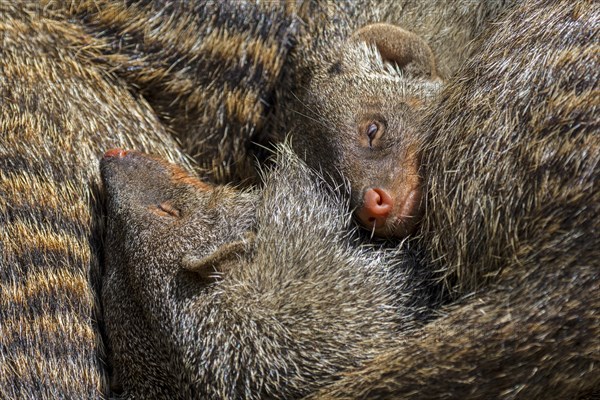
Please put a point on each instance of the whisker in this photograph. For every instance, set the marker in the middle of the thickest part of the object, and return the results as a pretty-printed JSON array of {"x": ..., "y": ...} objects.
[
  {"x": 304, "y": 104},
  {"x": 373, "y": 230},
  {"x": 312, "y": 119}
]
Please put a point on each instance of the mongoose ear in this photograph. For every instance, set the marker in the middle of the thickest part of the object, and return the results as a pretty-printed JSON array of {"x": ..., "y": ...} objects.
[
  {"x": 397, "y": 45},
  {"x": 212, "y": 267}
]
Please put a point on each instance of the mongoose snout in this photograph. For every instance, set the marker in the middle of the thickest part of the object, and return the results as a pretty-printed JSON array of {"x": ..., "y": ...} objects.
[{"x": 381, "y": 209}]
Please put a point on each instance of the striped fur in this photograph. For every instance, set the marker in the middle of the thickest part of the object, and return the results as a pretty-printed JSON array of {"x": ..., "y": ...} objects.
[
  {"x": 82, "y": 76},
  {"x": 208, "y": 68},
  {"x": 58, "y": 111}
]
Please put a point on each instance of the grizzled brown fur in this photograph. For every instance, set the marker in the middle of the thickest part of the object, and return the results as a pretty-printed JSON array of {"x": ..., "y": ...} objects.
[
  {"x": 450, "y": 27},
  {"x": 58, "y": 110},
  {"x": 294, "y": 303},
  {"x": 512, "y": 166},
  {"x": 207, "y": 68},
  {"x": 69, "y": 86}
]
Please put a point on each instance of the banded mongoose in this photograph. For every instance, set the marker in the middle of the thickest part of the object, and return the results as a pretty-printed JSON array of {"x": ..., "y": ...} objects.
[
  {"x": 344, "y": 93},
  {"x": 49, "y": 49},
  {"x": 214, "y": 293},
  {"x": 357, "y": 118},
  {"x": 512, "y": 203}
]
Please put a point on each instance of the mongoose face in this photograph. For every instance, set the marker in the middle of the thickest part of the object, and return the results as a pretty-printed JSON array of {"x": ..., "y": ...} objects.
[
  {"x": 159, "y": 202},
  {"x": 297, "y": 297},
  {"x": 160, "y": 220},
  {"x": 361, "y": 123}
]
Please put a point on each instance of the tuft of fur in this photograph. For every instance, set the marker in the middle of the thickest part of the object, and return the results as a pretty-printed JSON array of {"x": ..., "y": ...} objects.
[
  {"x": 295, "y": 305},
  {"x": 512, "y": 165}
]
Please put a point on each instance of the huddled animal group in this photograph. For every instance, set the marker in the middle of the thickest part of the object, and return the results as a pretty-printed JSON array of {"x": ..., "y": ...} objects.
[{"x": 301, "y": 199}]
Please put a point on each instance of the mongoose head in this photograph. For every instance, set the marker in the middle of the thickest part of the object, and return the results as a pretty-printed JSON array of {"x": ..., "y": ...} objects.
[
  {"x": 361, "y": 111},
  {"x": 159, "y": 212}
]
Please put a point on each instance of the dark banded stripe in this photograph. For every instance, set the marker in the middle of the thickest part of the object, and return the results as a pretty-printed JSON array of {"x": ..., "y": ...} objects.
[
  {"x": 56, "y": 220},
  {"x": 267, "y": 20},
  {"x": 23, "y": 163},
  {"x": 29, "y": 248},
  {"x": 62, "y": 334},
  {"x": 48, "y": 354},
  {"x": 39, "y": 292},
  {"x": 22, "y": 192},
  {"x": 245, "y": 44}
]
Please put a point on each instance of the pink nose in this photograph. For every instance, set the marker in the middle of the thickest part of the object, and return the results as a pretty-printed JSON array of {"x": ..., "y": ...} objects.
[
  {"x": 377, "y": 205},
  {"x": 115, "y": 153}
]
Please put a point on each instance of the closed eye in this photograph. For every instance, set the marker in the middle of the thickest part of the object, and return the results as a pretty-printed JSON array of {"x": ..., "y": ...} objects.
[{"x": 165, "y": 209}]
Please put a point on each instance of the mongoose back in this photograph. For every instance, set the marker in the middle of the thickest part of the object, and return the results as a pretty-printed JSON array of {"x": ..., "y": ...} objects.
[
  {"x": 208, "y": 69},
  {"x": 511, "y": 221},
  {"x": 57, "y": 111},
  {"x": 214, "y": 293}
]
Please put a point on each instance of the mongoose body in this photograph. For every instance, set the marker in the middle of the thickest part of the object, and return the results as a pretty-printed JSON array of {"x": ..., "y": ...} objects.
[
  {"x": 58, "y": 111},
  {"x": 78, "y": 77},
  {"x": 353, "y": 110},
  {"x": 214, "y": 293},
  {"x": 511, "y": 170}
]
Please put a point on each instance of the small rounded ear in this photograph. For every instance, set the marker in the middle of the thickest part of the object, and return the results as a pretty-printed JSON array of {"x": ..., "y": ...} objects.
[
  {"x": 405, "y": 48},
  {"x": 212, "y": 267}
]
